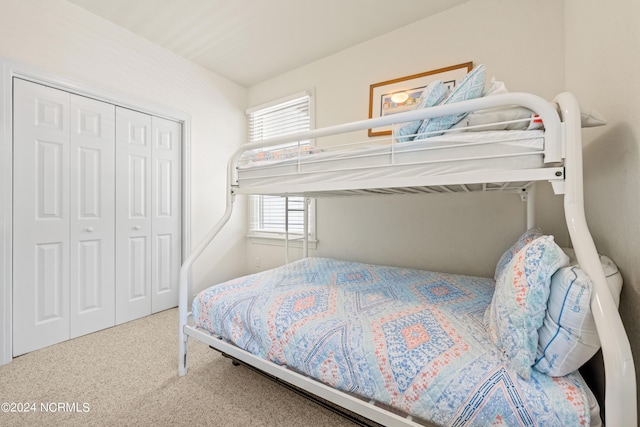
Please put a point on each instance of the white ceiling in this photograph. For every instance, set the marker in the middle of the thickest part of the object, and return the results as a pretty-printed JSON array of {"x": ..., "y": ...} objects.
[{"x": 249, "y": 41}]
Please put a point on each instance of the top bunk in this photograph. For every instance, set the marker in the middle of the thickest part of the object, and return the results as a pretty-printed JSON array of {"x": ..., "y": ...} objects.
[{"x": 469, "y": 142}]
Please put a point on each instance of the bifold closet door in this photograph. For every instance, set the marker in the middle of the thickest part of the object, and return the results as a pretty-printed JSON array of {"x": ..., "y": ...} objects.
[
  {"x": 40, "y": 217},
  {"x": 62, "y": 216},
  {"x": 133, "y": 215},
  {"x": 92, "y": 230},
  {"x": 148, "y": 214},
  {"x": 96, "y": 215},
  {"x": 166, "y": 212}
]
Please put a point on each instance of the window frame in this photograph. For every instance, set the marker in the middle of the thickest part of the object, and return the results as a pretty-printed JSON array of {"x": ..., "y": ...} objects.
[{"x": 278, "y": 236}]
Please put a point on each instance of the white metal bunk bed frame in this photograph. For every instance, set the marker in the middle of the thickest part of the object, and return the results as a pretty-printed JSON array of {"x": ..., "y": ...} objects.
[{"x": 567, "y": 179}]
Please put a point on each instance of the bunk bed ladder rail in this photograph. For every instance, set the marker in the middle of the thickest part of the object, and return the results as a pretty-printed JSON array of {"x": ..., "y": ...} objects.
[
  {"x": 305, "y": 227},
  {"x": 528, "y": 195},
  {"x": 620, "y": 393}
]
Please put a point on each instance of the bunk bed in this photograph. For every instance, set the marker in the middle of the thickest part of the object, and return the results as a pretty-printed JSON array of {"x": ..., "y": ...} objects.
[{"x": 477, "y": 154}]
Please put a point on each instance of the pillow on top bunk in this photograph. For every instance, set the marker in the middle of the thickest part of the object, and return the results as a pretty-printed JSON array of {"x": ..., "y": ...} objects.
[
  {"x": 590, "y": 119},
  {"x": 472, "y": 86},
  {"x": 568, "y": 337},
  {"x": 516, "y": 118},
  {"x": 430, "y": 96},
  {"x": 522, "y": 241},
  {"x": 499, "y": 118},
  {"x": 519, "y": 302},
  {"x": 495, "y": 88},
  {"x": 510, "y": 118}
]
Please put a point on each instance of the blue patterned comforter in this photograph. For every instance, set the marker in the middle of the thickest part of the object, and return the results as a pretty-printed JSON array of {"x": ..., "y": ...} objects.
[{"x": 411, "y": 339}]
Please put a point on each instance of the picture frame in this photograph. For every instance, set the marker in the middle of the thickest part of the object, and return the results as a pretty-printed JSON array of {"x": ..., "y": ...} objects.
[{"x": 407, "y": 90}]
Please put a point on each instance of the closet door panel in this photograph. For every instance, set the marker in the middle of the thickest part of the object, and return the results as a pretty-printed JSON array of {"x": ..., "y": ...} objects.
[
  {"x": 92, "y": 187},
  {"x": 133, "y": 216},
  {"x": 166, "y": 212},
  {"x": 40, "y": 217}
]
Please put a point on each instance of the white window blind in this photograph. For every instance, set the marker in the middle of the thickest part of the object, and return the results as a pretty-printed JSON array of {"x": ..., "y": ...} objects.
[
  {"x": 268, "y": 214},
  {"x": 282, "y": 118}
]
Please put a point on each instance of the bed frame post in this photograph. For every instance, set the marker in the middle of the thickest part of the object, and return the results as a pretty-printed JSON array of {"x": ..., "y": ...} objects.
[
  {"x": 529, "y": 195},
  {"x": 620, "y": 393},
  {"x": 286, "y": 229},
  {"x": 305, "y": 241}
]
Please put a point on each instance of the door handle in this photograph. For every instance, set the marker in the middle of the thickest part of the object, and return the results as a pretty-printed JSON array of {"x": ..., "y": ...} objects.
[
  {"x": 89, "y": 229},
  {"x": 137, "y": 227}
]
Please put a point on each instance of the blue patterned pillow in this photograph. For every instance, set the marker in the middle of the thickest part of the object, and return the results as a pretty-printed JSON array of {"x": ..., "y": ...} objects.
[
  {"x": 519, "y": 302},
  {"x": 505, "y": 259},
  {"x": 430, "y": 96},
  {"x": 470, "y": 87}
]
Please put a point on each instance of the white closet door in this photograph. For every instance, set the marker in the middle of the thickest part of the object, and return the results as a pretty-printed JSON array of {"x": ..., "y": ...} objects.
[
  {"x": 40, "y": 217},
  {"x": 92, "y": 231},
  {"x": 166, "y": 213},
  {"x": 133, "y": 215}
]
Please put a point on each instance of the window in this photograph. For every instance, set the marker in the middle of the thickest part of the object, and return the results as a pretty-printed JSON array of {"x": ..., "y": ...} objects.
[{"x": 268, "y": 215}]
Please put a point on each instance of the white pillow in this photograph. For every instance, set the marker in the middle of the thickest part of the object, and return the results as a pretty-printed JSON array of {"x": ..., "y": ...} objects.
[
  {"x": 591, "y": 119},
  {"x": 495, "y": 88},
  {"x": 521, "y": 118},
  {"x": 568, "y": 337},
  {"x": 588, "y": 118},
  {"x": 611, "y": 272}
]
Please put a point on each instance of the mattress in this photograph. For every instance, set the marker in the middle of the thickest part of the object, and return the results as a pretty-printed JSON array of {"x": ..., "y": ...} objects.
[
  {"x": 411, "y": 339},
  {"x": 452, "y": 153}
]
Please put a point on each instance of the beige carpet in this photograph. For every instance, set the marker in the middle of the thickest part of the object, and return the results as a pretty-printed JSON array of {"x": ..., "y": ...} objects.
[{"x": 127, "y": 376}]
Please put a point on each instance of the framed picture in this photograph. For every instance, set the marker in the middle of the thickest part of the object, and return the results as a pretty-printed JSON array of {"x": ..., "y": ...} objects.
[{"x": 399, "y": 95}]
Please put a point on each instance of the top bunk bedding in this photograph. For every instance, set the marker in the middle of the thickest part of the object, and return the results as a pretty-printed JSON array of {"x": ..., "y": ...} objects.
[
  {"x": 457, "y": 153},
  {"x": 464, "y": 136}
]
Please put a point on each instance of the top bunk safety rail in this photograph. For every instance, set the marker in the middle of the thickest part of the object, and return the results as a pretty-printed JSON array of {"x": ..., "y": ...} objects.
[{"x": 305, "y": 172}]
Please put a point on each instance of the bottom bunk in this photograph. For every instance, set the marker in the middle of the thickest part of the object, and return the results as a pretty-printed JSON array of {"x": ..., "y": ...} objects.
[{"x": 439, "y": 348}]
